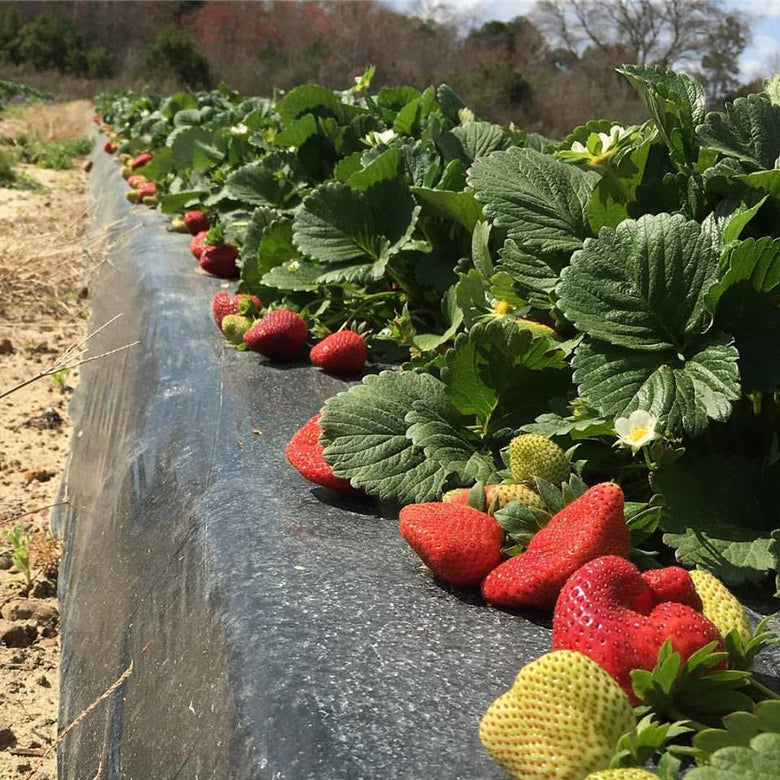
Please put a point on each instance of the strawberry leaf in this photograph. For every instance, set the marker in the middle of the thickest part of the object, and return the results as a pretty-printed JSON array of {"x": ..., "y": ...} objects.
[
  {"x": 718, "y": 516},
  {"x": 758, "y": 761},
  {"x": 542, "y": 203},
  {"x": 749, "y": 130},
  {"x": 502, "y": 375},
  {"x": 365, "y": 437}
]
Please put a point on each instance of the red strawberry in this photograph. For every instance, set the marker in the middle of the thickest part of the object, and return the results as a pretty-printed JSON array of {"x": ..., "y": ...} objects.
[
  {"x": 110, "y": 147},
  {"x": 219, "y": 260},
  {"x": 146, "y": 189},
  {"x": 673, "y": 584},
  {"x": 224, "y": 303},
  {"x": 280, "y": 335},
  {"x": 459, "y": 544},
  {"x": 608, "y": 611},
  {"x": 305, "y": 453},
  {"x": 140, "y": 160},
  {"x": 343, "y": 352},
  {"x": 135, "y": 180},
  {"x": 196, "y": 222},
  {"x": 591, "y": 526},
  {"x": 96, "y": 119},
  {"x": 197, "y": 243}
]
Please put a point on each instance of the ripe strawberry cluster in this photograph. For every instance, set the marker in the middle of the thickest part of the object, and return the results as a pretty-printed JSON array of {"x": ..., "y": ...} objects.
[
  {"x": 608, "y": 617},
  {"x": 280, "y": 335}
]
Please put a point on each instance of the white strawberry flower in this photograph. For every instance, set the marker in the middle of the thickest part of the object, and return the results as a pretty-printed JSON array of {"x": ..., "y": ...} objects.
[
  {"x": 637, "y": 430},
  {"x": 375, "y": 138},
  {"x": 239, "y": 129}
]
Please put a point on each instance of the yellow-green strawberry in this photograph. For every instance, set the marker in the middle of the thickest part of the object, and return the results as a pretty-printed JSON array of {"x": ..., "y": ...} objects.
[
  {"x": 511, "y": 492},
  {"x": 720, "y": 605},
  {"x": 506, "y": 492},
  {"x": 632, "y": 773},
  {"x": 234, "y": 326},
  {"x": 560, "y": 720},
  {"x": 533, "y": 455}
]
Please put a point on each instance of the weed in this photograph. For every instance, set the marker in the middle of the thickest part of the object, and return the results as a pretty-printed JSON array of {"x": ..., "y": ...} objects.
[
  {"x": 20, "y": 554},
  {"x": 60, "y": 378}
]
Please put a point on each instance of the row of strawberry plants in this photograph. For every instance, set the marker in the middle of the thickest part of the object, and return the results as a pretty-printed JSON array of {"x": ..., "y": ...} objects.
[{"x": 619, "y": 287}]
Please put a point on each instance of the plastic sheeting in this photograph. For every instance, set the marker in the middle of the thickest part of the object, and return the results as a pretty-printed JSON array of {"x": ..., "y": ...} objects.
[{"x": 274, "y": 631}]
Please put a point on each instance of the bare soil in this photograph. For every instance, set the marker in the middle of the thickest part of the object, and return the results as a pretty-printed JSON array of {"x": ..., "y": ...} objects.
[{"x": 43, "y": 308}]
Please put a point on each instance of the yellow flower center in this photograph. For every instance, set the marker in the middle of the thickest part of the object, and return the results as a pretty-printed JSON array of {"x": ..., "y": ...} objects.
[
  {"x": 638, "y": 433},
  {"x": 502, "y": 307}
]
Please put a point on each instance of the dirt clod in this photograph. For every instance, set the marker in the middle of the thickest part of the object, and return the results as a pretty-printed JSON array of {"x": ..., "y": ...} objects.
[
  {"x": 7, "y": 737},
  {"x": 6, "y": 347},
  {"x": 17, "y": 634},
  {"x": 41, "y": 613}
]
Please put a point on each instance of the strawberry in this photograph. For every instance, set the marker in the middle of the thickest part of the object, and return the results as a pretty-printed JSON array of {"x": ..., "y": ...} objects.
[
  {"x": 280, "y": 335},
  {"x": 343, "y": 352},
  {"x": 608, "y": 611},
  {"x": 146, "y": 189},
  {"x": 591, "y": 526},
  {"x": 140, "y": 160},
  {"x": 197, "y": 243},
  {"x": 304, "y": 452},
  {"x": 132, "y": 196},
  {"x": 110, "y": 147},
  {"x": 177, "y": 226},
  {"x": 219, "y": 260},
  {"x": 720, "y": 606},
  {"x": 196, "y": 222},
  {"x": 136, "y": 180},
  {"x": 533, "y": 455},
  {"x": 505, "y": 492},
  {"x": 234, "y": 326},
  {"x": 673, "y": 584},
  {"x": 125, "y": 172},
  {"x": 224, "y": 303},
  {"x": 457, "y": 543},
  {"x": 624, "y": 773},
  {"x": 561, "y": 719}
]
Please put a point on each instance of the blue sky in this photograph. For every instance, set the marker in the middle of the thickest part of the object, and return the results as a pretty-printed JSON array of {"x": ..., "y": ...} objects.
[{"x": 764, "y": 16}]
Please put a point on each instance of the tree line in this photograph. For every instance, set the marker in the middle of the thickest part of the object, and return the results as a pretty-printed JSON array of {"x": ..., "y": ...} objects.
[{"x": 547, "y": 72}]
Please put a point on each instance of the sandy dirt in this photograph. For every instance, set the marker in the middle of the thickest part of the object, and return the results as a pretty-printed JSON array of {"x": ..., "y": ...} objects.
[{"x": 43, "y": 307}]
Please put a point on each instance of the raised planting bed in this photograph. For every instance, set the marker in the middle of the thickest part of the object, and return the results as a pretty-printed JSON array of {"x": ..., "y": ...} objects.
[{"x": 273, "y": 631}]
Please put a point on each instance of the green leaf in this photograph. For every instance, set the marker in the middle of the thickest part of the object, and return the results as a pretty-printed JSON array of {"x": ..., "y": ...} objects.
[
  {"x": 382, "y": 168},
  {"x": 540, "y": 201},
  {"x": 293, "y": 276},
  {"x": 195, "y": 147},
  {"x": 261, "y": 184},
  {"x": 675, "y": 102},
  {"x": 749, "y": 130},
  {"x": 760, "y": 761},
  {"x": 440, "y": 431},
  {"x": 478, "y": 139},
  {"x": 681, "y": 393},
  {"x": 364, "y": 433},
  {"x": 641, "y": 285},
  {"x": 460, "y": 207},
  {"x": 274, "y": 248},
  {"x": 308, "y": 98},
  {"x": 765, "y": 181},
  {"x": 480, "y": 248},
  {"x": 714, "y": 518},
  {"x": 160, "y": 165},
  {"x": 173, "y": 203},
  {"x": 335, "y": 223},
  {"x": 520, "y": 522},
  {"x": 297, "y": 132},
  {"x": 551, "y": 424},
  {"x": 757, "y": 262},
  {"x": 502, "y": 375}
]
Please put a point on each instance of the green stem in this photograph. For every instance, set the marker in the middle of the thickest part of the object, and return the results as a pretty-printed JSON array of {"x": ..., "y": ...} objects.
[
  {"x": 696, "y": 724},
  {"x": 768, "y": 692},
  {"x": 611, "y": 174}
]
